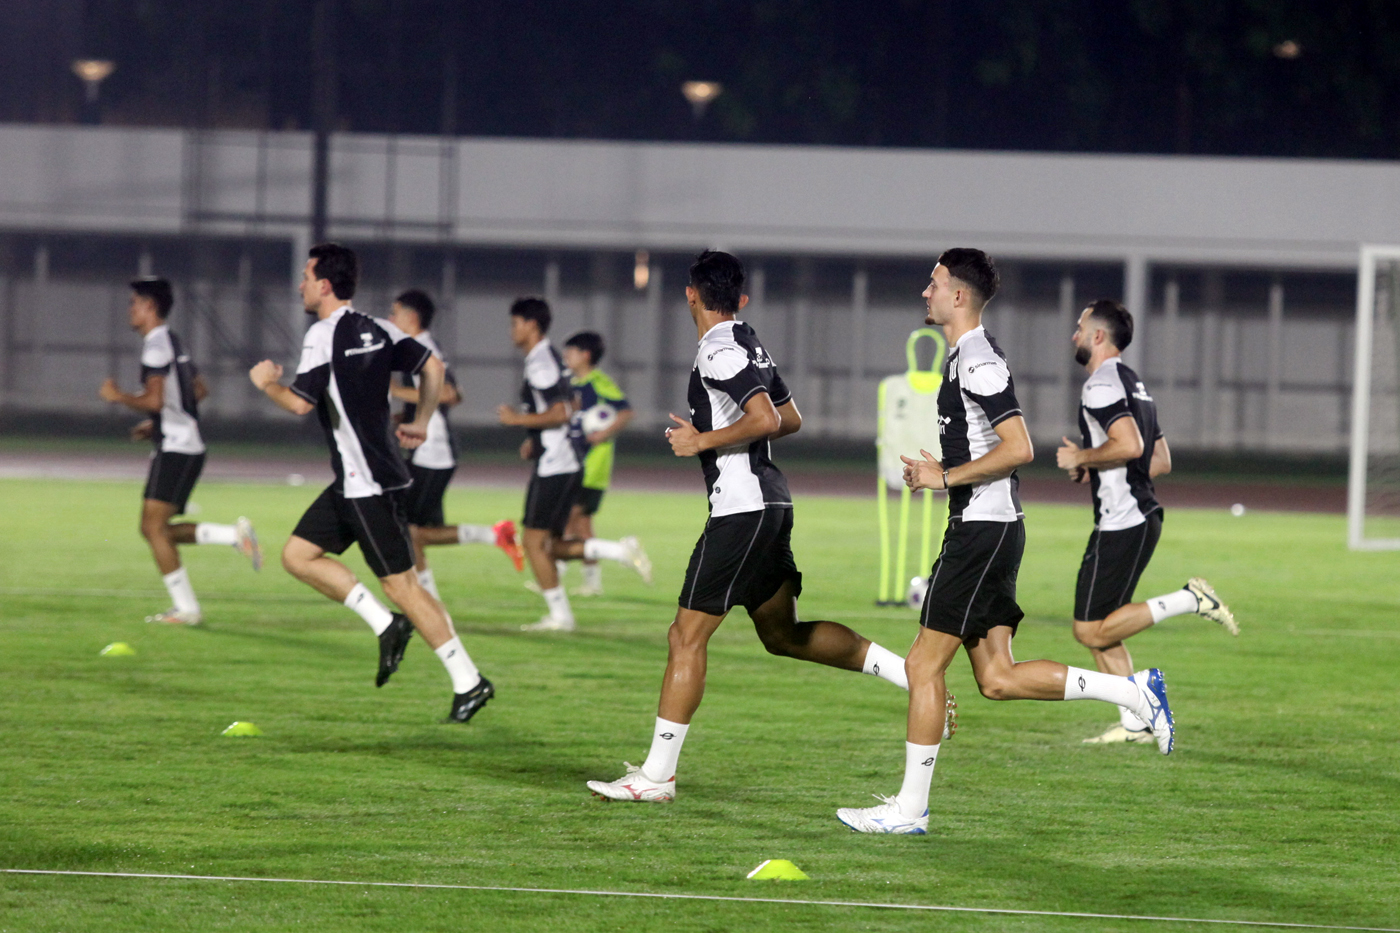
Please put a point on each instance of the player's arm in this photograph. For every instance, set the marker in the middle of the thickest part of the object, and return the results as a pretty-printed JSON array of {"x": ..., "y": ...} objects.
[
  {"x": 201, "y": 389},
  {"x": 265, "y": 376},
  {"x": 450, "y": 395},
  {"x": 1161, "y": 459},
  {"x": 415, "y": 432},
  {"x": 760, "y": 419},
  {"x": 1014, "y": 450},
  {"x": 552, "y": 417},
  {"x": 1124, "y": 443},
  {"x": 149, "y": 401},
  {"x": 790, "y": 420}
]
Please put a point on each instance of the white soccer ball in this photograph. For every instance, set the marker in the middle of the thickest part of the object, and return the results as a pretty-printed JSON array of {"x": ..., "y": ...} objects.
[
  {"x": 917, "y": 588},
  {"x": 598, "y": 418}
]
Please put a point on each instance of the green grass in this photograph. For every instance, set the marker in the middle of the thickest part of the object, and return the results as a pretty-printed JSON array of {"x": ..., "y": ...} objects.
[{"x": 1280, "y": 802}]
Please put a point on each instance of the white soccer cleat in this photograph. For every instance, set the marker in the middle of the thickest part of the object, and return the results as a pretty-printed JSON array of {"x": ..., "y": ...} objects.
[
  {"x": 247, "y": 543},
  {"x": 637, "y": 558},
  {"x": 634, "y": 785},
  {"x": 1116, "y": 734},
  {"x": 176, "y": 617},
  {"x": 588, "y": 590},
  {"x": 885, "y": 818},
  {"x": 549, "y": 624},
  {"x": 1153, "y": 708},
  {"x": 1210, "y": 606}
]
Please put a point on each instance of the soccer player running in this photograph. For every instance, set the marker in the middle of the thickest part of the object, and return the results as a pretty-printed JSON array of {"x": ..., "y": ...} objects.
[
  {"x": 593, "y": 389},
  {"x": 971, "y": 599},
  {"x": 171, "y": 392},
  {"x": 547, "y": 407},
  {"x": 739, "y": 404},
  {"x": 347, "y": 360},
  {"x": 432, "y": 463},
  {"x": 1116, "y": 418}
]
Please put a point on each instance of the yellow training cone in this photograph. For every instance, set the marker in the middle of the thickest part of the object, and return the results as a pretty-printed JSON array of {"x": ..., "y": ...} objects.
[
  {"x": 778, "y": 869},
  {"x": 117, "y": 649},
  {"x": 242, "y": 728}
]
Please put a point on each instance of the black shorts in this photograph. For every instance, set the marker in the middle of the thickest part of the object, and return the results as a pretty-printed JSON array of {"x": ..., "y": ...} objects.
[
  {"x": 740, "y": 560},
  {"x": 548, "y": 500},
  {"x": 172, "y": 477},
  {"x": 376, "y": 523},
  {"x": 589, "y": 499},
  {"x": 972, "y": 587},
  {"x": 422, "y": 502},
  {"x": 1113, "y": 562}
]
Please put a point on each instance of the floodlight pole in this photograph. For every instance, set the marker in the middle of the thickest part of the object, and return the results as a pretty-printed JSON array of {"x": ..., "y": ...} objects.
[{"x": 323, "y": 114}]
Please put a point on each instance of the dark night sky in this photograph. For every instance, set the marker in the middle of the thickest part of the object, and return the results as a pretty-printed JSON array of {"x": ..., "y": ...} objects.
[{"x": 1062, "y": 75}]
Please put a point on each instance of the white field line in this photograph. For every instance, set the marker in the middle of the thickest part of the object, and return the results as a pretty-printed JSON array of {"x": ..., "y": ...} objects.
[{"x": 698, "y": 897}]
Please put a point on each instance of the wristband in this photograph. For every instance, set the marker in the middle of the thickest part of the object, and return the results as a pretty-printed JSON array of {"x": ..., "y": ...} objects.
[{"x": 945, "y": 480}]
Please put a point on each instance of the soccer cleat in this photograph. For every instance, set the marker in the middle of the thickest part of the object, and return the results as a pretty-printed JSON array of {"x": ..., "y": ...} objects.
[
  {"x": 1152, "y": 687},
  {"x": 1210, "y": 606},
  {"x": 247, "y": 543},
  {"x": 634, "y": 785},
  {"x": 588, "y": 590},
  {"x": 505, "y": 540},
  {"x": 950, "y": 716},
  {"x": 176, "y": 617},
  {"x": 549, "y": 624},
  {"x": 392, "y": 642},
  {"x": 637, "y": 558},
  {"x": 466, "y": 705},
  {"x": 1117, "y": 734},
  {"x": 885, "y": 818}
]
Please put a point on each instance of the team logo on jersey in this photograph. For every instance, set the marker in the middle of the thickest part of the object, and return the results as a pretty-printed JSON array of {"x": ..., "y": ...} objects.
[
  {"x": 368, "y": 347},
  {"x": 943, "y": 422},
  {"x": 761, "y": 358},
  {"x": 1140, "y": 393}
]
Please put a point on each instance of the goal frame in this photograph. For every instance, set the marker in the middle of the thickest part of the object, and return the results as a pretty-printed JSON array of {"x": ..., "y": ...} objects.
[{"x": 1371, "y": 256}]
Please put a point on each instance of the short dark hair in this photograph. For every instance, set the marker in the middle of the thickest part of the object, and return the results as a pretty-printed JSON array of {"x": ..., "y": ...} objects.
[
  {"x": 973, "y": 267},
  {"x": 338, "y": 265},
  {"x": 533, "y": 308},
  {"x": 1115, "y": 319},
  {"x": 719, "y": 278},
  {"x": 590, "y": 342},
  {"x": 158, "y": 290},
  {"x": 417, "y": 301}
]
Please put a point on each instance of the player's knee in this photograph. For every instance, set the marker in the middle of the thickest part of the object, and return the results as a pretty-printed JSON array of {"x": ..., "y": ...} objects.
[
  {"x": 995, "y": 686},
  {"x": 1089, "y": 635},
  {"x": 778, "y": 640}
]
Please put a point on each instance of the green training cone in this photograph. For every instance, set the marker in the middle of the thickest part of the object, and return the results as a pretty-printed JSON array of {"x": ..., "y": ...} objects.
[
  {"x": 778, "y": 869},
  {"x": 242, "y": 728},
  {"x": 117, "y": 649}
]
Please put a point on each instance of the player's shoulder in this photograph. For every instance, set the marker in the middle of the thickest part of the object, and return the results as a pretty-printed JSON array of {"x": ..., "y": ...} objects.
[
  {"x": 1105, "y": 386},
  {"x": 982, "y": 367},
  {"x": 426, "y": 339},
  {"x": 157, "y": 349},
  {"x": 544, "y": 367},
  {"x": 605, "y": 385},
  {"x": 723, "y": 352}
]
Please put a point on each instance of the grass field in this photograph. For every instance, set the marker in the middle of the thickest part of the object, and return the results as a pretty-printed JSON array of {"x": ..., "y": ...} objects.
[{"x": 1281, "y": 802}]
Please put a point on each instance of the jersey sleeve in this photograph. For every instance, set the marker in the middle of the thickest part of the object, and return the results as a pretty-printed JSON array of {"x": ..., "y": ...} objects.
[
  {"x": 408, "y": 355},
  {"x": 729, "y": 369},
  {"x": 156, "y": 358},
  {"x": 779, "y": 391},
  {"x": 314, "y": 368},
  {"x": 552, "y": 381},
  {"x": 1105, "y": 402},
  {"x": 988, "y": 383}
]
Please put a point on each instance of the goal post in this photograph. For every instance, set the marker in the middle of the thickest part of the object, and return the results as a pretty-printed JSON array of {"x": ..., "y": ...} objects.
[{"x": 1373, "y": 484}]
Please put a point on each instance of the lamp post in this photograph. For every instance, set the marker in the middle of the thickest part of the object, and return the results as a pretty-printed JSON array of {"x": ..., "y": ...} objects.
[
  {"x": 92, "y": 72},
  {"x": 701, "y": 94}
]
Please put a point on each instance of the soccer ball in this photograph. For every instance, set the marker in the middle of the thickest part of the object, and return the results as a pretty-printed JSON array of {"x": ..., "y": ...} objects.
[
  {"x": 917, "y": 588},
  {"x": 598, "y": 418}
]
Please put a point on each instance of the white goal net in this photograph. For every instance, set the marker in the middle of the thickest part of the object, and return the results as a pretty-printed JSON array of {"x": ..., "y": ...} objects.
[{"x": 1373, "y": 491}]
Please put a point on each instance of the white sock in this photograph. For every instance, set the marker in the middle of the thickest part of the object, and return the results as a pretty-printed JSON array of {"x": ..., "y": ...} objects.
[
  {"x": 598, "y": 549},
  {"x": 459, "y": 665},
  {"x": 886, "y": 665},
  {"x": 475, "y": 534},
  {"x": 1093, "y": 685},
  {"x": 209, "y": 533},
  {"x": 364, "y": 604},
  {"x": 558, "y": 603},
  {"x": 177, "y": 583},
  {"x": 593, "y": 576},
  {"x": 428, "y": 582},
  {"x": 1176, "y": 603},
  {"x": 1130, "y": 720},
  {"x": 561, "y": 567},
  {"x": 918, "y": 777},
  {"x": 665, "y": 751}
]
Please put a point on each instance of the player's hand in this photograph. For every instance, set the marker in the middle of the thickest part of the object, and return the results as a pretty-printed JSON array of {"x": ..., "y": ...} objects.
[
  {"x": 265, "y": 374},
  {"x": 508, "y": 415},
  {"x": 596, "y": 438},
  {"x": 1067, "y": 456},
  {"x": 109, "y": 392},
  {"x": 411, "y": 434},
  {"x": 143, "y": 430},
  {"x": 1079, "y": 474},
  {"x": 684, "y": 439},
  {"x": 527, "y": 449},
  {"x": 923, "y": 474}
]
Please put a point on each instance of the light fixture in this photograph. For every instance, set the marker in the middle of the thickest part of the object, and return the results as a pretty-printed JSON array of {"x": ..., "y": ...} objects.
[
  {"x": 641, "y": 270},
  {"x": 93, "y": 71},
  {"x": 701, "y": 94},
  {"x": 1288, "y": 50}
]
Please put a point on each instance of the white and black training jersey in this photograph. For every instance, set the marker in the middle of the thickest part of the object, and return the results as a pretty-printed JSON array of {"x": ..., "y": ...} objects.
[
  {"x": 731, "y": 367},
  {"x": 439, "y": 451},
  {"x": 547, "y": 382},
  {"x": 977, "y": 395},
  {"x": 347, "y": 361},
  {"x": 1123, "y": 497},
  {"x": 176, "y": 425}
]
